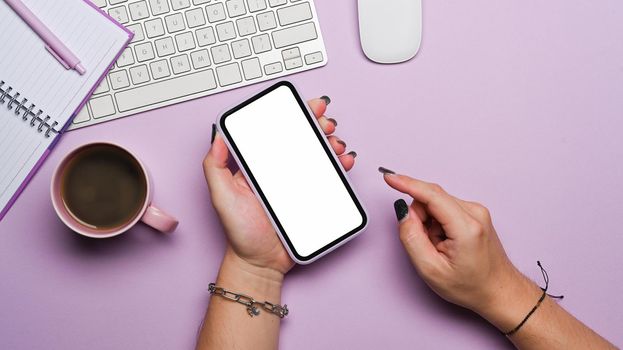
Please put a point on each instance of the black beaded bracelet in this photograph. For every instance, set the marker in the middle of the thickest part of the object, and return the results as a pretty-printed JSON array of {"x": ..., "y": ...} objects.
[{"x": 546, "y": 278}]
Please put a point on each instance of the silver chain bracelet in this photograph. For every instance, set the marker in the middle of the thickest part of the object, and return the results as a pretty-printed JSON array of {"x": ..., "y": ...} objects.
[{"x": 253, "y": 306}]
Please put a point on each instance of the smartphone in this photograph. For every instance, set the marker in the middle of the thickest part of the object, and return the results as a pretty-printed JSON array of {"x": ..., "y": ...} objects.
[{"x": 290, "y": 165}]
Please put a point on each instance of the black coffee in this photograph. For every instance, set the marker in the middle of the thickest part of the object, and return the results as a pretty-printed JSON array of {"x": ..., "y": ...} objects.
[{"x": 103, "y": 187}]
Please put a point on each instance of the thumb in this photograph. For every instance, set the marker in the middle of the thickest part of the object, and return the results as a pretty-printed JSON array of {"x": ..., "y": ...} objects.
[
  {"x": 217, "y": 174},
  {"x": 414, "y": 238}
]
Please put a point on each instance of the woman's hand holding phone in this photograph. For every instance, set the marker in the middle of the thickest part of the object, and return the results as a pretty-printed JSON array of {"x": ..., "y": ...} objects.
[
  {"x": 251, "y": 237},
  {"x": 255, "y": 261}
]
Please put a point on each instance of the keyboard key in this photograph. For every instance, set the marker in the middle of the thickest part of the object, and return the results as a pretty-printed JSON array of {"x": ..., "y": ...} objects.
[
  {"x": 256, "y": 5},
  {"x": 241, "y": 48},
  {"x": 220, "y": 53},
  {"x": 139, "y": 74},
  {"x": 246, "y": 26},
  {"x": 185, "y": 41},
  {"x": 159, "y": 69},
  {"x": 201, "y": 59},
  {"x": 102, "y": 87},
  {"x": 144, "y": 52},
  {"x": 165, "y": 46},
  {"x": 119, "y": 79},
  {"x": 294, "y": 35},
  {"x": 216, "y": 12},
  {"x": 313, "y": 58},
  {"x": 200, "y": 2},
  {"x": 126, "y": 58},
  {"x": 261, "y": 43},
  {"x": 102, "y": 106},
  {"x": 120, "y": 14},
  {"x": 235, "y": 8},
  {"x": 180, "y": 64},
  {"x": 137, "y": 29},
  {"x": 175, "y": 23},
  {"x": 180, "y": 4},
  {"x": 99, "y": 3},
  {"x": 294, "y": 63},
  {"x": 294, "y": 14},
  {"x": 291, "y": 53},
  {"x": 154, "y": 28},
  {"x": 166, "y": 90},
  {"x": 273, "y": 68},
  {"x": 266, "y": 21},
  {"x": 83, "y": 115},
  {"x": 274, "y": 3},
  {"x": 115, "y": 2},
  {"x": 138, "y": 10},
  {"x": 225, "y": 31},
  {"x": 251, "y": 68},
  {"x": 159, "y": 7},
  {"x": 205, "y": 36},
  {"x": 195, "y": 18},
  {"x": 228, "y": 74}
]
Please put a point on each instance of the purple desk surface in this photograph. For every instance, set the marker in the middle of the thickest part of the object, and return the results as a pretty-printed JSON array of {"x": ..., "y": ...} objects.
[{"x": 518, "y": 105}]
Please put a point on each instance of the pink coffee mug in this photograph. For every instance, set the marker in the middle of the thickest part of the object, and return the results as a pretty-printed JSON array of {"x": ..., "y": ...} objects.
[{"x": 148, "y": 213}]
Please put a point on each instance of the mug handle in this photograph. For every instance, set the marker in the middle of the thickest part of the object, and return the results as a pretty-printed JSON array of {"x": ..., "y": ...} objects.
[{"x": 159, "y": 220}]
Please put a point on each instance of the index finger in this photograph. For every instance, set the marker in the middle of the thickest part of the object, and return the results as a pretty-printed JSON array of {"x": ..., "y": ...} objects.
[
  {"x": 436, "y": 201},
  {"x": 318, "y": 106}
]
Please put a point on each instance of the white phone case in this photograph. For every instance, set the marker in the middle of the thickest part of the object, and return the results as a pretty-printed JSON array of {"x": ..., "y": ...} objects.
[{"x": 252, "y": 185}]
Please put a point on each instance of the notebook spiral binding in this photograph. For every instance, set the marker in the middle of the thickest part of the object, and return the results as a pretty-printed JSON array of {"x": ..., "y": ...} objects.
[{"x": 21, "y": 108}]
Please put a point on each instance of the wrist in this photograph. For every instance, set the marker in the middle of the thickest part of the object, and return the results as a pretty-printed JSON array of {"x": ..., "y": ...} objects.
[
  {"x": 510, "y": 301},
  {"x": 238, "y": 275}
]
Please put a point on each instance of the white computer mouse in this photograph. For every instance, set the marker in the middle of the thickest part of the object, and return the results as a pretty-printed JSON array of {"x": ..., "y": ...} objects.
[{"x": 390, "y": 30}]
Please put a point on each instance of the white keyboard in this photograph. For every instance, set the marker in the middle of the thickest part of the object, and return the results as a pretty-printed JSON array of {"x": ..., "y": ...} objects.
[{"x": 185, "y": 49}]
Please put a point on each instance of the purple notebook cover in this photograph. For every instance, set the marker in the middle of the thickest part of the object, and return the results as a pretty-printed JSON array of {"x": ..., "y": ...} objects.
[{"x": 41, "y": 160}]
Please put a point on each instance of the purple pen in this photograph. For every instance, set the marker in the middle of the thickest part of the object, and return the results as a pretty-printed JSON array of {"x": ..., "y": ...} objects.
[{"x": 53, "y": 43}]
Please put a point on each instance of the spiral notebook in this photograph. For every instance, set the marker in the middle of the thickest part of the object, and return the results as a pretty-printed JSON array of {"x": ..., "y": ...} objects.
[{"x": 38, "y": 97}]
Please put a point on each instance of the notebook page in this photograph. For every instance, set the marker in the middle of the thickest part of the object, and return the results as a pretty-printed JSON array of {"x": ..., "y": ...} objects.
[{"x": 27, "y": 67}]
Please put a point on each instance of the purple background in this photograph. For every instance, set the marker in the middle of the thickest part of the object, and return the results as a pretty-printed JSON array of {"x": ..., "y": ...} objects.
[{"x": 517, "y": 105}]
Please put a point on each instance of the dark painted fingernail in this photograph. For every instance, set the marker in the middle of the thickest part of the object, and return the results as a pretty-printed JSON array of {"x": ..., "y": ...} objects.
[
  {"x": 401, "y": 208},
  {"x": 341, "y": 143},
  {"x": 332, "y": 121},
  {"x": 353, "y": 153},
  {"x": 386, "y": 171},
  {"x": 326, "y": 99},
  {"x": 213, "y": 132}
]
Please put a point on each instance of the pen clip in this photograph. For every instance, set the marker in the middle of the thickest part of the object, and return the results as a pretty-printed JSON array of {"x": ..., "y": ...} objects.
[{"x": 58, "y": 58}]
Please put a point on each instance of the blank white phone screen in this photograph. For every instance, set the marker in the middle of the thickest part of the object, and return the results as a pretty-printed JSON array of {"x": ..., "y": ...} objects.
[{"x": 293, "y": 171}]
